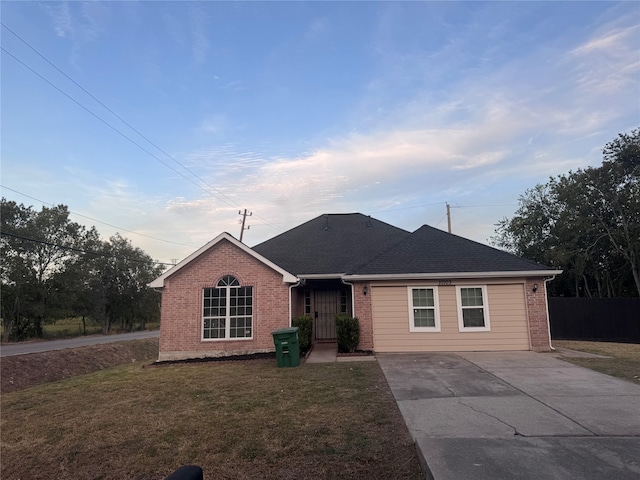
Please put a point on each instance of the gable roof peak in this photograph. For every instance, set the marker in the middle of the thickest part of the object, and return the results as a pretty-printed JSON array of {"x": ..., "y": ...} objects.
[
  {"x": 330, "y": 243},
  {"x": 224, "y": 236}
]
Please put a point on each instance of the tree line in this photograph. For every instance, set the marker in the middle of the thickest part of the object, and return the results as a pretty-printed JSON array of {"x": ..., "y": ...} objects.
[
  {"x": 54, "y": 268},
  {"x": 585, "y": 222}
]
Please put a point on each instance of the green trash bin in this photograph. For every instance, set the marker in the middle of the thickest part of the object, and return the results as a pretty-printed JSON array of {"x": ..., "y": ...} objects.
[{"x": 287, "y": 347}]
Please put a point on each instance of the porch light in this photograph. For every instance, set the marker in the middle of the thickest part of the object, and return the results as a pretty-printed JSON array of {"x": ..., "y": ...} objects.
[
  {"x": 535, "y": 287},
  {"x": 365, "y": 289}
]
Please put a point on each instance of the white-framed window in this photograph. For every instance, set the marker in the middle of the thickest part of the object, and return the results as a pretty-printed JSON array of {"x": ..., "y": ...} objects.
[
  {"x": 473, "y": 308},
  {"x": 307, "y": 302},
  {"x": 344, "y": 303},
  {"x": 227, "y": 311},
  {"x": 424, "y": 312}
]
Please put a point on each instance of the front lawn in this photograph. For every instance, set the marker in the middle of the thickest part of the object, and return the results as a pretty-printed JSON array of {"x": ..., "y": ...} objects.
[
  {"x": 624, "y": 361},
  {"x": 237, "y": 420}
]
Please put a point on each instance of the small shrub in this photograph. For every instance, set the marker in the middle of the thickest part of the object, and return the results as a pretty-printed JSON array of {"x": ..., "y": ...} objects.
[
  {"x": 305, "y": 325},
  {"x": 348, "y": 333}
]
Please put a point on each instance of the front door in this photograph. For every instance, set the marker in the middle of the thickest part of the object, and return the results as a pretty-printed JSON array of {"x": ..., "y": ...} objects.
[{"x": 327, "y": 303}]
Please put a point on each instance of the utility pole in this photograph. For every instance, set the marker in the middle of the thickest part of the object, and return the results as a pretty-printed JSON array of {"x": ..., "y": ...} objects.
[
  {"x": 244, "y": 218},
  {"x": 449, "y": 215}
]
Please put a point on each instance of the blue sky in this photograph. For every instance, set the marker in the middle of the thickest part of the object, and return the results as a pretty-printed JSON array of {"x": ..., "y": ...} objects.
[{"x": 294, "y": 109}]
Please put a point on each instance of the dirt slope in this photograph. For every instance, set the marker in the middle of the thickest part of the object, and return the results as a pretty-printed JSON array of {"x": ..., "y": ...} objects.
[{"x": 23, "y": 371}]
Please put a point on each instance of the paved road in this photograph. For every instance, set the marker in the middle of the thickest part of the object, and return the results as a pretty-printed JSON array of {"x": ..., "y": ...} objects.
[
  {"x": 46, "y": 346},
  {"x": 506, "y": 415}
]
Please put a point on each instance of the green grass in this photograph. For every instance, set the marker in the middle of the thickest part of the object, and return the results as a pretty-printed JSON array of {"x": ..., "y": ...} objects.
[
  {"x": 623, "y": 361},
  {"x": 237, "y": 420},
  {"x": 72, "y": 327}
]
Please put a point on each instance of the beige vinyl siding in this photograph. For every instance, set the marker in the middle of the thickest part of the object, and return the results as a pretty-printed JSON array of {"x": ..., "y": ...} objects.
[{"x": 507, "y": 311}]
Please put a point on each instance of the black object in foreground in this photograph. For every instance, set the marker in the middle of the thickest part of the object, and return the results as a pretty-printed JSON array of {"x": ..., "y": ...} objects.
[{"x": 187, "y": 472}]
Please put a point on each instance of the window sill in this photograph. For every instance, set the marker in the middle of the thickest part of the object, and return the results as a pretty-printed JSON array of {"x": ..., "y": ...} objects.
[{"x": 240, "y": 339}]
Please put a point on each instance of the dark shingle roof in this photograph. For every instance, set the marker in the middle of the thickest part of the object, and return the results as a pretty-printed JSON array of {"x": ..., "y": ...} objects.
[
  {"x": 429, "y": 250},
  {"x": 357, "y": 244},
  {"x": 334, "y": 243}
]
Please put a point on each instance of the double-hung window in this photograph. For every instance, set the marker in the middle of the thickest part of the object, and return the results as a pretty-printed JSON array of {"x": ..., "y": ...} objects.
[
  {"x": 227, "y": 311},
  {"x": 473, "y": 311},
  {"x": 424, "y": 314}
]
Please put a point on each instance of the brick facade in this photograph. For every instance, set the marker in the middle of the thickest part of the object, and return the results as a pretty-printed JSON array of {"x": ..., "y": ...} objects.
[
  {"x": 364, "y": 314},
  {"x": 538, "y": 315},
  {"x": 182, "y": 295}
]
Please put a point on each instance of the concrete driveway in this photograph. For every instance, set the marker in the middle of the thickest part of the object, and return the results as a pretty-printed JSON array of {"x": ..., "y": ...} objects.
[{"x": 508, "y": 415}]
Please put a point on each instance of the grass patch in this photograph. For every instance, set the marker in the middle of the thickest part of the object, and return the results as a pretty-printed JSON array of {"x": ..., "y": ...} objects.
[
  {"x": 72, "y": 327},
  {"x": 624, "y": 361},
  {"x": 242, "y": 420}
]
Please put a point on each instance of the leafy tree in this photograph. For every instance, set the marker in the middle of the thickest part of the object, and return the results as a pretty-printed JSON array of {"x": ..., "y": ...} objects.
[
  {"x": 53, "y": 268},
  {"x": 12, "y": 269},
  {"x": 587, "y": 223},
  {"x": 76, "y": 281},
  {"x": 119, "y": 285},
  {"x": 36, "y": 247}
]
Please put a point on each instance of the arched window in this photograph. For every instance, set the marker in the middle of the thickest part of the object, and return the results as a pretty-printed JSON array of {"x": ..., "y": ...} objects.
[
  {"x": 228, "y": 281},
  {"x": 227, "y": 311}
]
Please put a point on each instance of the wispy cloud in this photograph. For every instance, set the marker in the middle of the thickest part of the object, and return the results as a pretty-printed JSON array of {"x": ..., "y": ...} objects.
[
  {"x": 199, "y": 39},
  {"x": 470, "y": 110},
  {"x": 609, "y": 61},
  {"x": 95, "y": 15},
  {"x": 609, "y": 41},
  {"x": 487, "y": 132},
  {"x": 79, "y": 23},
  {"x": 61, "y": 18},
  {"x": 214, "y": 124},
  {"x": 316, "y": 29}
]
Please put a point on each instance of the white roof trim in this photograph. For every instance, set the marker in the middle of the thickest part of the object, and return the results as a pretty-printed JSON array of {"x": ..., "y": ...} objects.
[
  {"x": 321, "y": 276},
  {"x": 286, "y": 276},
  {"x": 447, "y": 275}
]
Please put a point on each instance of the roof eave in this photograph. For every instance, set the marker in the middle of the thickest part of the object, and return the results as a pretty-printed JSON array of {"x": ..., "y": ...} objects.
[
  {"x": 448, "y": 275},
  {"x": 320, "y": 276}
]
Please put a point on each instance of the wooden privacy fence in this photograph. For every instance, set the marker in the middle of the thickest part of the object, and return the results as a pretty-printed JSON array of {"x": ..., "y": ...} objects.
[{"x": 605, "y": 319}]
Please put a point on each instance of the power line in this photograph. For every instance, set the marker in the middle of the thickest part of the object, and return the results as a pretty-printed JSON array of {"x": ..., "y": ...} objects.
[
  {"x": 79, "y": 250},
  {"x": 112, "y": 112},
  {"x": 212, "y": 190},
  {"x": 294, "y": 222},
  {"x": 407, "y": 208},
  {"x": 109, "y": 125},
  {"x": 488, "y": 206},
  {"x": 440, "y": 221},
  {"x": 221, "y": 196},
  {"x": 100, "y": 221}
]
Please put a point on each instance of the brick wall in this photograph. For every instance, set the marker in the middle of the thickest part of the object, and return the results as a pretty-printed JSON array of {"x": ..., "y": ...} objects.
[
  {"x": 181, "y": 322},
  {"x": 363, "y": 312},
  {"x": 538, "y": 314}
]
